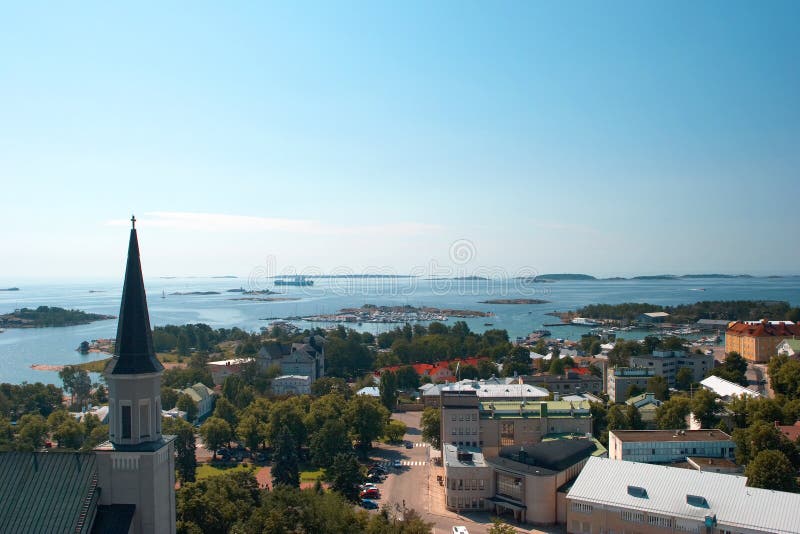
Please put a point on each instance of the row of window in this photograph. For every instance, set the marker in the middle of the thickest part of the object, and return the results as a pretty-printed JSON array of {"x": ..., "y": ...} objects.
[
  {"x": 469, "y": 417},
  {"x": 461, "y": 503},
  {"x": 582, "y": 507},
  {"x": 474, "y": 484},
  {"x": 460, "y": 431}
]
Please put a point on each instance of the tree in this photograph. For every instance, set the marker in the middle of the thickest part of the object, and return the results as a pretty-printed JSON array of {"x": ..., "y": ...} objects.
[
  {"x": 733, "y": 369},
  {"x": 704, "y": 408},
  {"x": 486, "y": 368},
  {"x": 252, "y": 431},
  {"x": 76, "y": 382},
  {"x": 169, "y": 397},
  {"x": 556, "y": 365},
  {"x": 285, "y": 468},
  {"x": 616, "y": 418},
  {"x": 683, "y": 378},
  {"x": 388, "y": 390},
  {"x": 215, "y": 432},
  {"x": 183, "y": 344},
  {"x": 83, "y": 348},
  {"x": 330, "y": 384},
  {"x": 672, "y": 413},
  {"x": 633, "y": 417},
  {"x": 186, "y": 404},
  {"x": 345, "y": 475},
  {"x": 31, "y": 432},
  {"x": 771, "y": 470},
  {"x": 227, "y": 411},
  {"x": 185, "y": 447},
  {"x": 330, "y": 440},
  {"x": 499, "y": 527},
  {"x": 395, "y": 430},
  {"x": 432, "y": 427},
  {"x": 367, "y": 418},
  {"x": 407, "y": 378},
  {"x": 69, "y": 434},
  {"x": 658, "y": 386}
]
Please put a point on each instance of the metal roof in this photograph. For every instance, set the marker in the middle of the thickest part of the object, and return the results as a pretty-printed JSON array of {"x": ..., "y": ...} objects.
[
  {"x": 498, "y": 391},
  {"x": 667, "y": 490},
  {"x": 47, "y": 492},
  {"x": 133, "y": 352},
  {"x": 726, "y": 388}
]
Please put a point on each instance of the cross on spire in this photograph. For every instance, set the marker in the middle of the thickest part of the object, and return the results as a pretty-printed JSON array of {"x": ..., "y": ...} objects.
[{"x": 133, "y": 222}]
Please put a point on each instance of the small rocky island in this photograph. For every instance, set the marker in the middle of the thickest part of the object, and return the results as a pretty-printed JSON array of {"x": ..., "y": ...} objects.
[
  {"x": 370, "y": 313},
  {"x": 47, "y": 316},
  {"x": 514, "y": 301}
]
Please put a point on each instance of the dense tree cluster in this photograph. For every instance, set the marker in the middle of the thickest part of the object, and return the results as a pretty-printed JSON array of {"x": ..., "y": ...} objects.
[
  {"x": 44, "y": 316},
  {"x": 743, "y": 310},
  {"x": 234, "y": 503}
]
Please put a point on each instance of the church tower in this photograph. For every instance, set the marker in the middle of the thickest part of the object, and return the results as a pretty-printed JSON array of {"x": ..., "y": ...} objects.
[{"x": 137, "y": 465}]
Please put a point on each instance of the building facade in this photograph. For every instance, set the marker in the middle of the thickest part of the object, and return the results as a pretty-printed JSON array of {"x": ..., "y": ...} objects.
[
  {"x": 303, "y": 359},
  {"x": 619, "y": 497},
  {"x": 666, "y": 446},
  {"x": 291, "y": 385},
  {"x": 467, "y": 421},
  {"x": 568, "y": 383},
  {"x": 757, "y": 341},
  {"x": 522, "y": 481},
  {"x": 621, "y": 379},
  {"x": 667, "y": 363}
]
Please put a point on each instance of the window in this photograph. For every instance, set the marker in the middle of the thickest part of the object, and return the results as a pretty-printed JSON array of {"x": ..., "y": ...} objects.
[
  {"x": 126, "y": 422},
  {"x": 480, "y": 484},
  {"x": 582, "y": 508},
  {"x": 507, "y": 434},
  {"x": 631, "y": 517},
  {"x": 509, "y": 486},
  {"x": 144, "y": 419},
  {"x": 657, "y": 521}
]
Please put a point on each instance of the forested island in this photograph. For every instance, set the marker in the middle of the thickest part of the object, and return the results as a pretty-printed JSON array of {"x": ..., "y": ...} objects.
[
  {"x": 45, "y": 316},
  {"x": 732, "y": 310},
  {"x": 9, "y": 289},
  {"x": 514, "y": 301}
]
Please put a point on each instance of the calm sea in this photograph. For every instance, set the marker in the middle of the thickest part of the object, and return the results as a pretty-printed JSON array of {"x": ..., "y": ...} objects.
[{"x": 21, "y": 348}]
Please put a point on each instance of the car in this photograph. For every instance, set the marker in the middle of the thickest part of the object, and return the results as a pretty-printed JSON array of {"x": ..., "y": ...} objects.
[
  {"x": 369, "y": 504},
  {"x": 409, "y": 445},
  {"x": 379, "y": 470},
  {"x": 375, "y": 478},
  {"x": 460, "y": 530},
  {"x": 370, "y": 493},
  {"x": 367, "y": 486},
  {"x": 397, "y": 463}
]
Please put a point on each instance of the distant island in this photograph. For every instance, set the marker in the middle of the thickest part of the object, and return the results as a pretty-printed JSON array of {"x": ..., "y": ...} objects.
[
  {"x": 514, "y": 301},
  {"x": 46, "y": 316},
  {"x": 731, "y": 310},
  {"x": 244, "y": 291},
  {"x": 224, "y": 276},
  {"x": 196, "y": 293},
  {"x": 557, "y": 277},
  {"x": 267, "y": 299},
  {"x": 472, "y": 277},
  {"x": 370, "y": 313},
  {"x": 10, "y": 289}
]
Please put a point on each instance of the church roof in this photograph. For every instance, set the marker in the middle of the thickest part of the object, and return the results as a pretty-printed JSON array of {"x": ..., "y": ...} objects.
[
  {"x": 47, "y": 492},
  {"x": 134, "y": 353}
]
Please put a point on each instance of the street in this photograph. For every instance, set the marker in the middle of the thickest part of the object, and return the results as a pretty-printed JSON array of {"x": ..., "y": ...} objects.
[{"x": 414, "y": 484}]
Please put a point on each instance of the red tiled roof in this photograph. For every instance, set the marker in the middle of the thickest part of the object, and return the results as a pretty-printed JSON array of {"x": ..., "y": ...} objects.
[
  {"x": 790, "y": 431},
  {"x": 764, "y": 329}
]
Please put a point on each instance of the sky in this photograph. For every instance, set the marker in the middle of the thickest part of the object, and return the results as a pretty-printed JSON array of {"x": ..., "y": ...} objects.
[{"x": 609, "y": 138}]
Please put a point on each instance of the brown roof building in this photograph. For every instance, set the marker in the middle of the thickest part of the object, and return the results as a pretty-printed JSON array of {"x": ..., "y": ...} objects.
[{"x": 757, "y": 341}]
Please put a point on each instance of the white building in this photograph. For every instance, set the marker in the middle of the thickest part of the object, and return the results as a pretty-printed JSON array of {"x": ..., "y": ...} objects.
[
  {"x": 223, "y": 369},
  {"x": 617, "y": 496},
  {"x": 727, "y": 389},
  {"x": 291, "y": 385},
  {"x": 664, "y": 446}
]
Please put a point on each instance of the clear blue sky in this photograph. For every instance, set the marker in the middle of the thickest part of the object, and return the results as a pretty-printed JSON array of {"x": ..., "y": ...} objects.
[{"x": 599, "y": 137}]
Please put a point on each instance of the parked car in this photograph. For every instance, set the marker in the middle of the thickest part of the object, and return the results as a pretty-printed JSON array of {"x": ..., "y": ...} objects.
[
  {"x": 409, "y": 445},
  {"x": 375, "y": 478},
  {"x": 397, "y": 463},
  {"x": 369, "y": 504},
  {"x": 370, "y": 493}
]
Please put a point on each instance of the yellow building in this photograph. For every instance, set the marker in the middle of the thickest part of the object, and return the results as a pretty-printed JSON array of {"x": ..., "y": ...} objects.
[{"x": 757, "y": 341}]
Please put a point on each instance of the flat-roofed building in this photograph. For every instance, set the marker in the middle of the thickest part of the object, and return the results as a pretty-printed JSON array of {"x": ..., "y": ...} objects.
[
  {"x": 568, "y": 383},
  {"x": 757, "y": 341},
  {"x": 621, "y": 379},
  {"x": 667, "y": 363},
  {"x": 291, "y": 385},
  {"x": 665, "y": 446},
  {"x": 222, "y": 369},
  {"x": 467, "y": 421},
  {"x": 618, "y": 496},
  {"x": 523, "y": 480}
]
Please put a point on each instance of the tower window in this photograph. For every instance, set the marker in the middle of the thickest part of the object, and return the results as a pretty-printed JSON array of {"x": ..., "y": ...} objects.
[{"x": 126, "y": 422}]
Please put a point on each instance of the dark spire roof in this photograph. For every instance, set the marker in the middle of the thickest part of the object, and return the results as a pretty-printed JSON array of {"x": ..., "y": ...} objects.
[{"x": 134, "y": 352}]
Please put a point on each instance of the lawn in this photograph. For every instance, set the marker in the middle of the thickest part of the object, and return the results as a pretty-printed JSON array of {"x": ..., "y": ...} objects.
[
  {"x": 208, "y": 470},
  {"x": 309, "y": 473}
]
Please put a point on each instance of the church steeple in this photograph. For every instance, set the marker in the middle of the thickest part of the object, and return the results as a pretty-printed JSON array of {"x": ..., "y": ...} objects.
[{"x": 134, "y": 352}]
